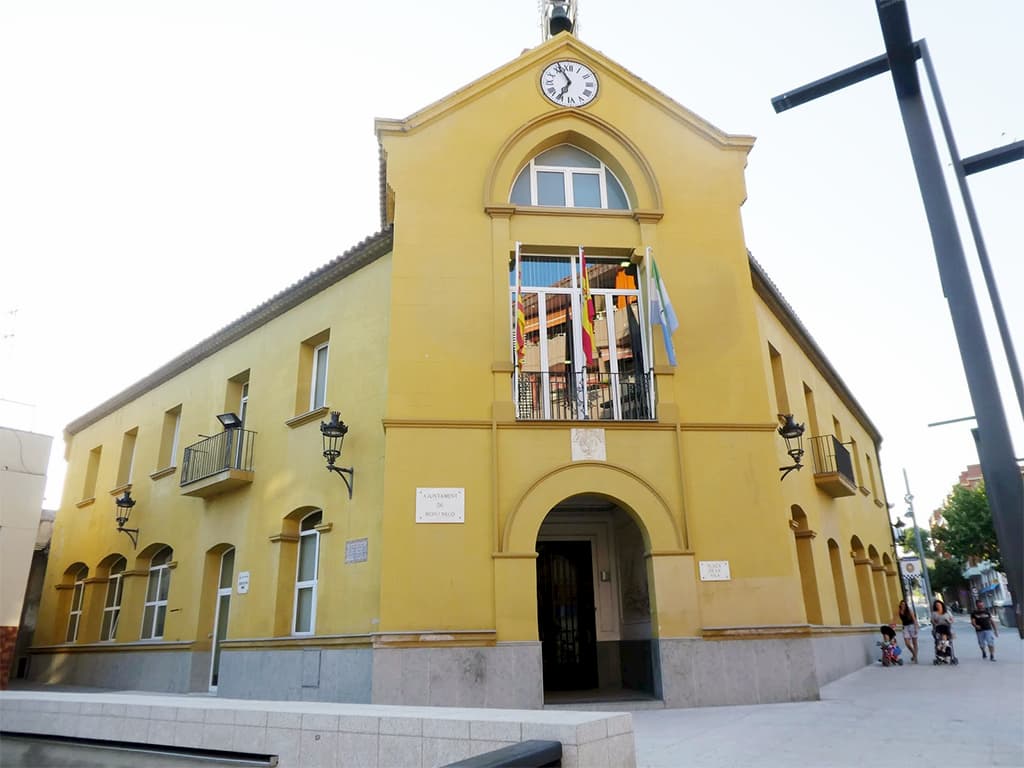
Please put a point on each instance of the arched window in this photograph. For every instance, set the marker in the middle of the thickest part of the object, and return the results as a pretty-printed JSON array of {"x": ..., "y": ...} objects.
[
  {"x": 75, "y": 614},
  {"x": 112, "y": 604},
  {"x": 568, "y": 177},
  {"x": 304, "y": 622},
  {"x": 155, "y": 610}
]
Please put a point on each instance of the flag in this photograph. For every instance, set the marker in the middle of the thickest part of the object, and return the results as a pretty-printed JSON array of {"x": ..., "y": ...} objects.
[
  {"x": 520, "y": 313},
  {"x": 661, "y": 309},
  {"x": 587, "y": 321}
]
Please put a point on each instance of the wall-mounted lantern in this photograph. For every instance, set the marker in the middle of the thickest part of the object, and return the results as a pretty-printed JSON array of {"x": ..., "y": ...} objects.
[
  {"x": 124, "y": 503},
  {"x": 793, "y": 434},
  {"x": 334, "y": 432},
  {"x": 230, "y": 420}
]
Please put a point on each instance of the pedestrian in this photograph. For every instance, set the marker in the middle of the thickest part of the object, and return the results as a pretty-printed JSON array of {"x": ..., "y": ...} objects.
[
  {"x": 983, "y": 624},
  {"x": 910, "y": 628}
]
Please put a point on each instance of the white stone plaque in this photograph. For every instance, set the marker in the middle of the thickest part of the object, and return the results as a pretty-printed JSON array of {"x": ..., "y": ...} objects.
[
  {"x": 243, "y": 582},
  {"x": 714, "y": 570},
  {"x": 440, "y": 505},
  {"x": 356, "y": 551},
  {"x": 588, "y": 445}
]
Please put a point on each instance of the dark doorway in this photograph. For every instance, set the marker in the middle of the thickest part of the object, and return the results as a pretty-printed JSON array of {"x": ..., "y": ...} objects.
[{"x": 565, "y": 615}]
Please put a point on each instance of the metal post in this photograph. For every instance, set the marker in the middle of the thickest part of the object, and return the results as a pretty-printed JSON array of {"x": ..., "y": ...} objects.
[
  {"x": 972, "y": 219},
  {"x": 909, "y": 498},
  {"x": 1002, "y": 475}
]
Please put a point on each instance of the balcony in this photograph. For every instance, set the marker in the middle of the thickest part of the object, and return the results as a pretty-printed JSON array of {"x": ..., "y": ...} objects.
[
  {"x": 218, "y": 464},
  {"x": 833, "y": 466},
  {"x": 568, "y": 396}
]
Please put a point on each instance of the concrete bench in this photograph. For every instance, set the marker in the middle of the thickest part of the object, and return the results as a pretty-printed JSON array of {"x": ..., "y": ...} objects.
[{"x": 315, "y": 734}]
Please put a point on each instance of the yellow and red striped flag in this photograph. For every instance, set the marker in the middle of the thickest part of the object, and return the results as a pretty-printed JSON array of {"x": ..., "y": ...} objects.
[
  {"x": 520, "y": 313},
  {"x": 587, "y": 322}
]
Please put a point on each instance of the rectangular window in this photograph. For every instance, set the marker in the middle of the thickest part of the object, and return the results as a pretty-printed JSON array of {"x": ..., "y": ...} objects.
[
  {"x": 112, "y": 604},
  {"x": 169, "y": 437},
  {"x": 154, "y": 611},
  {"x": 551, "y": 189},
  {"x": 586, "y": 190},
  {"x": 127, "y": 463},
  {"x": 871, "y": 477},
  {"x": 318, "y": 385},
  {"x": 779, "y": 380},
  {"x": 311, "y": 384},
  {"x": 556, "y": 380},
  {"x": 306, "y": 575},
  {"x": 812, "y": 412},
  {"x": 858, "y": 471},
  {"x": 75, "y": 616},
  {"x": 92, "y": 471}
]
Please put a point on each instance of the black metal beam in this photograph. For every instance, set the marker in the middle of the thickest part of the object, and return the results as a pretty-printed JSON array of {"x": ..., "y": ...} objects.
[
  {"x": 995, "y": 448},
  {"x": 993, "y": 158},
  {"x": 831, "y": 83}
]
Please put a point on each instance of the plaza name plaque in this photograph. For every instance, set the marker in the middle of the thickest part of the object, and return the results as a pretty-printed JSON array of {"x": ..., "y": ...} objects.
[
  {"x": 440, "y": 505},
  {"x": 356, "y": 551},
  {"x": 714, "y": 570},
  {"x": 243, "y": 582}
]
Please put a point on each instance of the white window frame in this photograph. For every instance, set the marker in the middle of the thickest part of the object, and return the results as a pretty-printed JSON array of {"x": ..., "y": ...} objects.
[
  {"x": 160, "y": 572},
  {"x": 310, "y": 584},
  {"x": 221, "y": 592},
  {"x": 567, "y": 171},
  {"x": 115, "y": 586},
  {"x": 175, "y": 441},
  {"x": 325, "y": 347},
  {"x": 575, "y": 293},
  {"x": 77, "y": 598}
]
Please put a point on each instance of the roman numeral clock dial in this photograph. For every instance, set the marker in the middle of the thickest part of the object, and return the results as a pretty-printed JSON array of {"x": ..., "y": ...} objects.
[{"x": 569, "y": 84}]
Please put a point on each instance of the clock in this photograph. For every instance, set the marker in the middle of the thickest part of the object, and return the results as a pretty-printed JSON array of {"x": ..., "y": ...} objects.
[{"x": 569, "y": 83}]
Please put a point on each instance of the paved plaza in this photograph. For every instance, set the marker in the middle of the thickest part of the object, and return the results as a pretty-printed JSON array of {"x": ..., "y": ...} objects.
[{"x": 968, "y": 716}]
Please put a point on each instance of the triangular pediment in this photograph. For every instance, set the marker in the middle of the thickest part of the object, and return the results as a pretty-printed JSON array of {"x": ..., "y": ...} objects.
[{"x": 563, "y": 45}]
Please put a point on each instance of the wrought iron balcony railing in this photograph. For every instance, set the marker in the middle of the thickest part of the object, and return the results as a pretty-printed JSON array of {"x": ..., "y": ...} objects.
[
  {"x": 833, "y": 466},
  {"x": 544, "y": 395},
  {"x": 231, "y": 449}
]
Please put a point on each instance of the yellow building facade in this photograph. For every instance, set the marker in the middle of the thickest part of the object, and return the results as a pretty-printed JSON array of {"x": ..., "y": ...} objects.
[{"x": 566, "y": 517}]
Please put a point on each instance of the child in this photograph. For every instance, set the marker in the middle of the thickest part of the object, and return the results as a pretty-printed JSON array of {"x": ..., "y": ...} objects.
[{"x": 890, "y": 650}]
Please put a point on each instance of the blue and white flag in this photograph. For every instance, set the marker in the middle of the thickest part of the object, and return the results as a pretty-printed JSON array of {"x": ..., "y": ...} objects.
[{"x": 661, "y": 309}]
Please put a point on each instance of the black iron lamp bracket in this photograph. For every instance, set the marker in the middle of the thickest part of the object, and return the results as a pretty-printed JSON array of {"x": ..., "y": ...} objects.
[
  {"x": 133, "y": 534},
  {"x": 348, "y": 474}
]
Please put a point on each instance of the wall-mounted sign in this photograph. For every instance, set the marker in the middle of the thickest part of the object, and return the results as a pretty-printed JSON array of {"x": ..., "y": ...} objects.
[
  {"x": 356, "y": 551},
  {"x": 910, "y": 566},
  {"x": 243, "y": 582},
  {"x": 440, "y": 505},
  {"x": 714, "y": 570},
  {"x": 588, "y": 445}
]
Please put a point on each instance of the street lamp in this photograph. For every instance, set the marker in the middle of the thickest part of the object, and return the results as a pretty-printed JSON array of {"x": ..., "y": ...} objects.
[
  {"x": 124, "y": 504},
  {"x": 334, "y": 432},
  {"x": 793, "y": 434}
]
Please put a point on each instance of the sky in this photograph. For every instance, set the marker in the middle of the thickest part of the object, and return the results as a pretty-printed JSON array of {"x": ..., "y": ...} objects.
[{"x": 167, "y": 166}]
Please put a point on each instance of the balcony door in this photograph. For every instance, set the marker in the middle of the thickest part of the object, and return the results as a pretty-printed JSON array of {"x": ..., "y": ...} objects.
[{"x": 221, "y": 612}]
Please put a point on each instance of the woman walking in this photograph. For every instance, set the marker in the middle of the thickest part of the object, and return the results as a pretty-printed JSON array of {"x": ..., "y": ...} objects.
[{"x": 910, "y": 628}]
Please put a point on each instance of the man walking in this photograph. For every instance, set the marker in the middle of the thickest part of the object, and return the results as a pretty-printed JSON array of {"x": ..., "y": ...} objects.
[{"x": 983, "y": 624}]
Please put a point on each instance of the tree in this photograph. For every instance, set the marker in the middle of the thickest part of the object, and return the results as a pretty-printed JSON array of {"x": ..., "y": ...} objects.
[
  {"x": 968, "y": 534},
  {"x": 948, "y": 574},
  {"x": 909, "y": 542}
]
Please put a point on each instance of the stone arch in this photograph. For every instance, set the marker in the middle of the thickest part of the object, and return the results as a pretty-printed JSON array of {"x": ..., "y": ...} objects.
[
  {"x": 103, "y": 566},
  {"x": 142, "y": 560},
  {"x": 839, "y": 582},
  {"x": 629, "y": 491},
  {"x": 804, "y": 537},
  {"x": 883, "y": 610},
  {"x": 73, "y": 571},
  {"x": 862, "y": 569},
  {"x": 893, "y": 582},
  {"x": 287, "y": 560},
  {"x": 588, "y": 132}
]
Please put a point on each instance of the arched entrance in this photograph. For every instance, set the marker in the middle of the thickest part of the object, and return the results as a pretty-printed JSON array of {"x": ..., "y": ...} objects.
[{"x": 594, "y": 603}]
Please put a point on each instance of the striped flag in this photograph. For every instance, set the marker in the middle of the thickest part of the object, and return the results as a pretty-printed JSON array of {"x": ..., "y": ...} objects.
[
  {"x": 520, "y": 313},
  {"x": 662, "y": 312},
  {"x": 587, "y": 322}
]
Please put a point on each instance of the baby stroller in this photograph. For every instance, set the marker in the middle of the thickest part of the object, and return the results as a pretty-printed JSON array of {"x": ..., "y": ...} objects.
[
  {"x": 890, "y": 650},
  {"x": 944, "y": 653}
]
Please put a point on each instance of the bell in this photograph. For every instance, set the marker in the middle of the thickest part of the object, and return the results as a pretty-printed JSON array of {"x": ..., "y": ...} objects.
[{"x": 559, "y": 21}]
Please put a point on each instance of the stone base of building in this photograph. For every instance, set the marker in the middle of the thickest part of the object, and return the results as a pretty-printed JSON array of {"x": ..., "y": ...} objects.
[
  {"x": 688, "y": 672},
  {"x": 8, "y": 638}
]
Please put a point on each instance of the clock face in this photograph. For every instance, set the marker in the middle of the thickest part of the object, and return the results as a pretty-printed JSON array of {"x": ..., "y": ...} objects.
[{"x": 569, "y": 83}]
